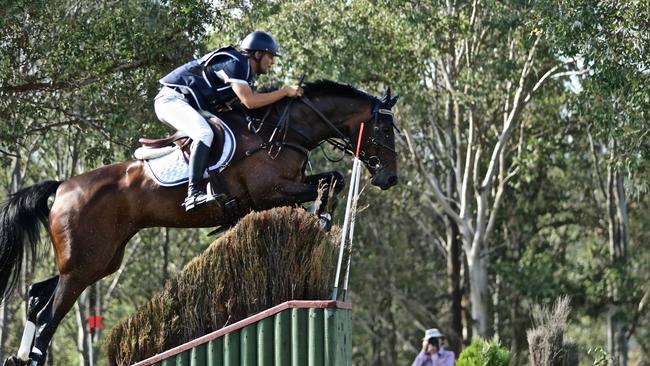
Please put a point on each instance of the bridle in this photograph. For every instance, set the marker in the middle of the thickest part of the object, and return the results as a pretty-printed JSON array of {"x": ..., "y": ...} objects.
[
  {"x": 277, "y": 140},
  {"x": 378, "y": 114}
]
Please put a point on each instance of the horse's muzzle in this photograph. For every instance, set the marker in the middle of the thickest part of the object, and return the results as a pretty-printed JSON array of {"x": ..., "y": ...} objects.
[{"x": 384, "y": 181}]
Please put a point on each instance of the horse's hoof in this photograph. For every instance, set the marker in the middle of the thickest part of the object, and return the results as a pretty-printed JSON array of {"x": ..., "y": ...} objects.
[{"x": 325, "y": 221}]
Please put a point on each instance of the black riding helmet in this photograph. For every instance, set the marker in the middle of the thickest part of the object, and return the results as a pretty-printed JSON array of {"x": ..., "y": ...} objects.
[{"x": 260, "y": 41}]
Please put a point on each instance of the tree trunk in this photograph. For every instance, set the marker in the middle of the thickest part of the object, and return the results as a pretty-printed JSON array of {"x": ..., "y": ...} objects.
[
  {"x": 617, "y": 229},
  {"x": 3, "y": 324},
  {"x": 83, "y": 341},
  {"x": 622, "y": 221},
  {"x": 496, "y": 305},
  {"x": 478, "y": 275},
  {"x": 455, "y": 332},
  {"x": 515, "y": 346},
  {"x": 468, "y": 334}
]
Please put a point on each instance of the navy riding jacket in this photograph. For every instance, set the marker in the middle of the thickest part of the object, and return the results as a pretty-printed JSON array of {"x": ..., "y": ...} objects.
[{"x": 207, "y": 81}]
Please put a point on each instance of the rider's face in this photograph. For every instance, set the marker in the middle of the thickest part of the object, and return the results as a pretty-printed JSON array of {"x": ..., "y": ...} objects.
[{"x": 266, "y": 62}]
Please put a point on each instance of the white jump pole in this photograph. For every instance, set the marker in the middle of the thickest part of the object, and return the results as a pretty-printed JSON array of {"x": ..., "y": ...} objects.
[
  {"x": 354, "y": 184},
  {"x": 353, "y": 216}
]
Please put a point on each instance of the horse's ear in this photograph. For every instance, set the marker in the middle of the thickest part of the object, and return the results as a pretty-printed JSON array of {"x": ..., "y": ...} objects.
[
  {"x": 390, "y": 102},
  {"x": 386, "y": 97}
]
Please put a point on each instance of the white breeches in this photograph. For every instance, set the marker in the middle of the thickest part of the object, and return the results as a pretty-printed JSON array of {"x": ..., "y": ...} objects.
[{"x": 173, "y": 109}]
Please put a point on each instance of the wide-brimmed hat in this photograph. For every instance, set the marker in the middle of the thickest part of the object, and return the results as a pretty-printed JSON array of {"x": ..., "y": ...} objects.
[{"x": 433, "y": 333}]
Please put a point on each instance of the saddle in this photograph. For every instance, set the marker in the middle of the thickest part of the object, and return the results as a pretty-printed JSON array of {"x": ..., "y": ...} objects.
[
  {"x": 179, "y": 140},
  {"x": 184, "y": 142}
]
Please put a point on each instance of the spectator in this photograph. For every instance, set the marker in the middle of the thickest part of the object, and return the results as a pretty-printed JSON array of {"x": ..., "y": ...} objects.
[{"x": 433, "y": 354}]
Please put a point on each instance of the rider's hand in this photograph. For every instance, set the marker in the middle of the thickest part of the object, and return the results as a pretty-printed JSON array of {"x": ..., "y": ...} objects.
[{"x": 293, "y": 91}]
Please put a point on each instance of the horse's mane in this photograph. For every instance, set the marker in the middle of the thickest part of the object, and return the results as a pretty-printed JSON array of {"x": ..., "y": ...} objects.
[
  {"x": 322, "y": 87},
  {"x": 326, "y": 87}
]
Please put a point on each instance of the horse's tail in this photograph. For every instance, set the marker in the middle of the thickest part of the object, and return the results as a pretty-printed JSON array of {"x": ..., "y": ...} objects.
[{"x": 19, "y": 218}]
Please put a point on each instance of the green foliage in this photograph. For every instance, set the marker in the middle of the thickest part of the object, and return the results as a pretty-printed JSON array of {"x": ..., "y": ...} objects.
[
  {"x": 612, "y": 42},
  {"x": 91, "y": 68},
  {"x": 484, "y": 353}
]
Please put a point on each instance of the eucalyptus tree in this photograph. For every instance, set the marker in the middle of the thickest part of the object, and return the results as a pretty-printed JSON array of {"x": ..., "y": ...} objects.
[{"x": 613, "y": 42}]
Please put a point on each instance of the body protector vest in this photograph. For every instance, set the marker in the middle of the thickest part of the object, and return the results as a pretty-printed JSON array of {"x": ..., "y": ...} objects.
[{"x": 207, "y": 81}]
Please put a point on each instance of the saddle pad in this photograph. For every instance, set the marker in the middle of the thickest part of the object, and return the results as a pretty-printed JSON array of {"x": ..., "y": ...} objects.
[{"x": 172, "y": 170}]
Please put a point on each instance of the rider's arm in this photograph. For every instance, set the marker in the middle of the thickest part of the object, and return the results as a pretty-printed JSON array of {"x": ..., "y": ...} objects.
[{"x": 256, "y": 100}]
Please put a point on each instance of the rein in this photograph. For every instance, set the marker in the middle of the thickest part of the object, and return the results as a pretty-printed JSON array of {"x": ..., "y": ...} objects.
[{"x": 283, "y": 126}]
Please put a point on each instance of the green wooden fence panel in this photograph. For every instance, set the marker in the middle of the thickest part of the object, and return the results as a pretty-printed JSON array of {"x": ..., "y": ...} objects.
[
  {"x": 265, "y": 333},
  {"x": 282, "y": 325},
  {"x": 215, "y": 352},
  {"x": 315, "y": 339},
  {"x": 198, "y": 355},
  {"x": 231, "y": 356},
  {"x": 299, "y": 341},
  {"x": 183, "y": 359},
  {"x": 249, "y": 345}
]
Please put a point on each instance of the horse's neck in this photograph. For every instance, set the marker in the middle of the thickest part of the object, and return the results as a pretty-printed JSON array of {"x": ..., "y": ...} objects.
[{"x": 337, "y": 115}]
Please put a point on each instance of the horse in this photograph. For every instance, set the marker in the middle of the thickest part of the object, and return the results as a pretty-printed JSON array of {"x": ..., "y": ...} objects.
[{"x": 95, "y": 214}]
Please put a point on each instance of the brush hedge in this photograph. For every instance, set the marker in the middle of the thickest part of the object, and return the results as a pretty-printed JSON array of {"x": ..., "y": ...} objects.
[{"x": 268, "y": 258}]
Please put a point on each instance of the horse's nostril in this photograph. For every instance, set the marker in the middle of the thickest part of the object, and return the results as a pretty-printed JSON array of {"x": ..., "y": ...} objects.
[{"x": 392, "y": 180}]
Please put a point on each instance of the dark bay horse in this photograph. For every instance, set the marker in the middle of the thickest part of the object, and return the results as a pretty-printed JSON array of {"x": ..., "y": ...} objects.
[{"x": 96, "y": 213}]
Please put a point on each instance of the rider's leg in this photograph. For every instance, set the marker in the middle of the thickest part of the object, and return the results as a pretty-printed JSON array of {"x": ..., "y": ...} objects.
[
  {"x": 198, "y": 162},
  {"x": 172, "y": 108}
]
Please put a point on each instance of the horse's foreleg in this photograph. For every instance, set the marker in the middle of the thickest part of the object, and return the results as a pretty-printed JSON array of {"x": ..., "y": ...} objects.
[
  {"x": 332, "y": 184},
  {"x": 288, "y": 192}
]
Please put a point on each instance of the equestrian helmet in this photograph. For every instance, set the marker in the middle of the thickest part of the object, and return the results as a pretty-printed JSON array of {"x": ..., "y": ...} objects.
[{"x": 260, "y": 41}]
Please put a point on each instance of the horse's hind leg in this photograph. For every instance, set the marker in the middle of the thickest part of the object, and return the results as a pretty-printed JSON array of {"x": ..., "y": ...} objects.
[
  {"x": 38, "y": 296},
  {"x": 66, "y": 293}
]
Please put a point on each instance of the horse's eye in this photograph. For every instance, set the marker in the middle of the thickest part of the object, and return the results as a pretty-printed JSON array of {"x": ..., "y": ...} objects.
[{"x": 374, "y": 162}]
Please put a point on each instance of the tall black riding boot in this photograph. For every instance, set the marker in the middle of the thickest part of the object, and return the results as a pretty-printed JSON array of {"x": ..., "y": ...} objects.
[{"x": 198, "y": 162}]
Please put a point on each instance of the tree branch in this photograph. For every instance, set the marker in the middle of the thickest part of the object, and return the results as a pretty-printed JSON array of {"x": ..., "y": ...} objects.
[
  {"x": 434, "y": 184},
  {"x": 596, "y": 163},
  {"x": 62, "y": 85},
  {"x": 517, "y": 106}
]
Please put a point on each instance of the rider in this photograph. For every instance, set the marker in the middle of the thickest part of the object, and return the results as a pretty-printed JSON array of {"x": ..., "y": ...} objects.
[{"x": 213, "y": 82}]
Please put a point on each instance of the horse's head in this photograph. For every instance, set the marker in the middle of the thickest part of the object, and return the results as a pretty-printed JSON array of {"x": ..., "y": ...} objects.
[
  {"x": 378, "y": 142},
  {"x": 341, "y": 109}
]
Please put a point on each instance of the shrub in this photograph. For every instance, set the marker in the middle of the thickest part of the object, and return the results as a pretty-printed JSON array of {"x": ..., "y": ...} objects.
[
  {"x": 484, "y": 353},
  {"x": 545, "y": 341}
]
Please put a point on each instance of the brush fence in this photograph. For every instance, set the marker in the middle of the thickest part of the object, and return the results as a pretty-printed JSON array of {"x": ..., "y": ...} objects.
[{"x": 295, "y": 333}]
